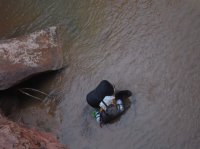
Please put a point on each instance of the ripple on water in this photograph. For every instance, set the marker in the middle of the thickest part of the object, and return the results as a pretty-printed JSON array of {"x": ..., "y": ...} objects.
[{"x": 150, "y": 47}]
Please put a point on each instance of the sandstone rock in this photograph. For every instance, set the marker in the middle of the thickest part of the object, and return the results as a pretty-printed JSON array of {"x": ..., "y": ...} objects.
[
  {"x": 17, "y": 136},
  {"x": 28, "y": 55}
]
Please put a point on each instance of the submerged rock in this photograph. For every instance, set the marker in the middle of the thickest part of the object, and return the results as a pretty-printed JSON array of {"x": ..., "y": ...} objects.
[
  {"x": 28, "y": 55},
  {"x": 17, "y": 136}
]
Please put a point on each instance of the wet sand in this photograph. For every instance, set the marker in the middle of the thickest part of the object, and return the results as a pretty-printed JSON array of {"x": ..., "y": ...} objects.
[{"x": 149, "y": 47}]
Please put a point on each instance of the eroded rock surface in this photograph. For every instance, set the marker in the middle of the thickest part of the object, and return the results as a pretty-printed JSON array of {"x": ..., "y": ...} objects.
[
  {"x": 28, "y": 55},
  {"x": 17, "y": 136}
]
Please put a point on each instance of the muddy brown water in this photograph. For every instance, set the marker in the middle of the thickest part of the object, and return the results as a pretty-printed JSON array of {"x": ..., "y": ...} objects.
[{"x": 149, "y": 47}]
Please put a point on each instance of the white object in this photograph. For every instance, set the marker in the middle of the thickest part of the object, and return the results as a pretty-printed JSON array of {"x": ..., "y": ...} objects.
[
  {"x": 120, "y": 105},
  {"x": 108, "y": 100},
  {"x": 98, "y": 117}
]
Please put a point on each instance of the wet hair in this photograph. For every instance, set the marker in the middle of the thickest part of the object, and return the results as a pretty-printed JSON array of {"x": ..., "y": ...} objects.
[{"x": 123, "y": 94}]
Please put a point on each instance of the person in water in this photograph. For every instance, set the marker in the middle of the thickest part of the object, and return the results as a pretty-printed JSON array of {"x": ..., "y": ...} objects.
[{"x": 107, "y": 103}]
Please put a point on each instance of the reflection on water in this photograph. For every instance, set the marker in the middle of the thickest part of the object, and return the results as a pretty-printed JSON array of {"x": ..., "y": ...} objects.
[{"x": 149, "y": 47}]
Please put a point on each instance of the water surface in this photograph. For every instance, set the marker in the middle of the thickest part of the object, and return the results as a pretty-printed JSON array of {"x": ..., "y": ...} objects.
[{"x": 149, "y": 47}]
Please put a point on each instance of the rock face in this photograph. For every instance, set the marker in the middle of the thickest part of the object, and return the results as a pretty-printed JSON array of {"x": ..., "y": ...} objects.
[
  {"x": 28, "y": 55},
  {"x": 16, "y": 136}
]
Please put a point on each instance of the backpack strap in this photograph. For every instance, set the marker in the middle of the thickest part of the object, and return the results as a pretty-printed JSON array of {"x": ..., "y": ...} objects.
[{"x": 104, "y": 103}]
